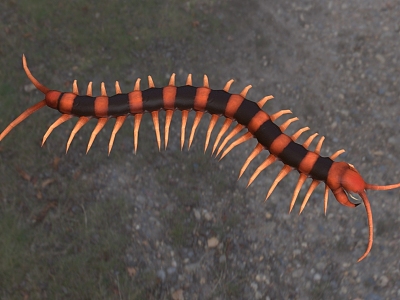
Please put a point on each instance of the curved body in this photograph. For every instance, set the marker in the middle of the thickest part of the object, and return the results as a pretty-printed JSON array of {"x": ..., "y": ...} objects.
[{"x": 339, "y": 177}]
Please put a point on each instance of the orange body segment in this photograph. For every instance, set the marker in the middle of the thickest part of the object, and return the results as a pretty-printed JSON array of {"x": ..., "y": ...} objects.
[
  {"x": 66, "y": 102},
  {"x": 233, "y": 105},
  {"x": 101, "y": 106},
  {"x": 308, "y": 162},
  {"x": 279, "y": 144},
  {"x": 260, "y": 118},
  {"x": 135, "y": 102},
  {"x": 169, "y": 94},
  {"x": 200, "y": 100}
]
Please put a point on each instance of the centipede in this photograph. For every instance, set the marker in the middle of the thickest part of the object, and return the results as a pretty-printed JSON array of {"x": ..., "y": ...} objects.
[{"x": 341, "y": 178}]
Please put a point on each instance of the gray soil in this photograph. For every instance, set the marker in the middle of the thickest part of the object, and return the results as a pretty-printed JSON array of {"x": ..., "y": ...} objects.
[{"x": 203, "y": 234}]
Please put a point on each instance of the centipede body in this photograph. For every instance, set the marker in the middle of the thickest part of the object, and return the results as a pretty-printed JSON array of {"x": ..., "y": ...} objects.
[{"x": 251, "y": 120}]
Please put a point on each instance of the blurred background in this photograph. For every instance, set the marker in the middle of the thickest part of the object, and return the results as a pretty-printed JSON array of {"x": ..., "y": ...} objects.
[{"x": 178, "y": 225}]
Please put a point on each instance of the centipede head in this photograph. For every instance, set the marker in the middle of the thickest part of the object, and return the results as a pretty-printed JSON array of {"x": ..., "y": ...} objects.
[{"x": 343, "y": 180}]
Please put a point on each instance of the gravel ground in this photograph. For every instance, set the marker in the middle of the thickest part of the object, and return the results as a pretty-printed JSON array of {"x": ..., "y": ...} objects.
[{"x": 202, "y": 234}]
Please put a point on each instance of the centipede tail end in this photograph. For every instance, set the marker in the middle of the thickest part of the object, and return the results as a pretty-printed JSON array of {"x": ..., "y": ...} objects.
[{"x": 31, "y": 109}]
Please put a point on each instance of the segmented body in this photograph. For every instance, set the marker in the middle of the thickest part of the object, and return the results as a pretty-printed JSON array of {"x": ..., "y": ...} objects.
[{"x": 339, "y": 177}]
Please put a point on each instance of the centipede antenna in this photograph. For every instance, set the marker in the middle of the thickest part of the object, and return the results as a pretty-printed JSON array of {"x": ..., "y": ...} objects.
[
  {"x": 375, "y": 187},
  {"x": 326, "y": 195},
  {"x": 368, "y": 209}
]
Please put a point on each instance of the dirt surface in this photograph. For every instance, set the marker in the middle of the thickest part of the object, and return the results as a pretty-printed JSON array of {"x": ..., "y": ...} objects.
[{"x": 190, "y": 230}]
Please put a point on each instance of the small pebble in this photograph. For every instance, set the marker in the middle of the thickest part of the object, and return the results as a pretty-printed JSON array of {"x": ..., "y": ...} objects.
[
  {"x": 317, "y": 277},
  {"x": 212, "y": 242},
  {"x": 207, "y": 215},
  {"x": 297, "y": 273},
  {"x": 177, "y": 295},
  {"x": 383, "y": 281},
  {"x": 197, "y": 214},
  {"x": 29, "y": 87}
]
